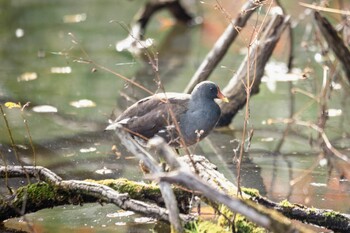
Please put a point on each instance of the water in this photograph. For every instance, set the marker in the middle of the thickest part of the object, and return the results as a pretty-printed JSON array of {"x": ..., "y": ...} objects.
[{"x": 41, "y": 41}]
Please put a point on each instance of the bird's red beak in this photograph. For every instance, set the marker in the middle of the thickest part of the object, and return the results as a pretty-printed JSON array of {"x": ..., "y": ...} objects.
[{"x": 221, "y": 96}]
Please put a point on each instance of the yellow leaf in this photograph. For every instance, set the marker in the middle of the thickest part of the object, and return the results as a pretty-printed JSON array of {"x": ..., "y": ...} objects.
[{"x": 12, "y": 105}]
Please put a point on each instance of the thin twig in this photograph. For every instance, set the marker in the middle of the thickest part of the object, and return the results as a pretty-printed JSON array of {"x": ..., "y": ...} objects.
[
  {"x": 13, "y": 144},
  {"x": 318, "y": 129},
  {"x": 326, "y": 9}
]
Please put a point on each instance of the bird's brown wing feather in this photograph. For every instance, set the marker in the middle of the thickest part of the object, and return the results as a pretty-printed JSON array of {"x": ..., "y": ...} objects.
[{"x": 151, "y": 115}]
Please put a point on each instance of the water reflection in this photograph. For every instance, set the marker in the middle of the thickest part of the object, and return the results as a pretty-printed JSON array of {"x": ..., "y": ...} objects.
[
  {"x": 71, "y": 140},
  {"x": 168, "y": 62}
]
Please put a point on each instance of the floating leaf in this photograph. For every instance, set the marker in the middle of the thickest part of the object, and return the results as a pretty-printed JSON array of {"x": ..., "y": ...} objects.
[
  {"x": 120, "y": 223},
  {"x": 104, "y": 171},
  {"x": 334, "y": 112},
  {"x": 77, "y": 18},
  {"x": 19, "y": 32},
  {"x": 61, "y": 70},
  {"x": 11, "y": 105},
  {"x": 86, "y": 150},
  {"x": 119, "y": 214},
  {"x": 27, "y": 76},
  {"x": 84, "y": 103},
  {"x": 144, "y": 220},
  {"x": 44, "y": 108},
  {"x": 318, "y": 184}
]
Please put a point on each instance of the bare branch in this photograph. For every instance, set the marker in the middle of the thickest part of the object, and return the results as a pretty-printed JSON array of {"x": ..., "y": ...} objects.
[
  {"x": 251, "y": 72},
  {"x": 222, "y": 45}
]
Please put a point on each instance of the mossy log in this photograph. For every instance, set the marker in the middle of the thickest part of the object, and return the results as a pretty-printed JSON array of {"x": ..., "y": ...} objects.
[
  {"x": 46, "y": 194},
  {"x": 53, "y": 191}
]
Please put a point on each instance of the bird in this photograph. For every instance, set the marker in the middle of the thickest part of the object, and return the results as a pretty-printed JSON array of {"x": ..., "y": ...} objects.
[{"x": 181, "y": 119}]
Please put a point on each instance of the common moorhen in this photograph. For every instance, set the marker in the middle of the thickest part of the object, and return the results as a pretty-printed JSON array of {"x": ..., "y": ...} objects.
[{"x": 196, "y": 115}]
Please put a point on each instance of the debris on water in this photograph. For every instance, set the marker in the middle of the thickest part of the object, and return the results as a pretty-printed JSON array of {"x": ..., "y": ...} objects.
[
  {"x": 19, "y": 32},
  {"x": 76, "y": 18},
  {"x": 120, "y": 214},
  {"x": 318, "y": 184},
  {"x": 27, "y": 76},
  {"x": 61, "y": 70},
  {"x": 334, "y": 112},
  {"x": 104, "y": 171},
  {"x": 86, "y": 150},
  {"x": 44, "y": 108},
  {"x": 120, "y": 223},
  {"x": 144, "y": 220},
  {"x": 83, "y": 103},
  {"x": 267, "y": 139}
]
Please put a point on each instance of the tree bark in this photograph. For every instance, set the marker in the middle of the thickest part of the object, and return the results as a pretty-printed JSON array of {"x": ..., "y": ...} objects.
[
  {"x": 222, "y": 45},
  {"x": 334, "y": 42},
  {"x": 249, "y": 74}
]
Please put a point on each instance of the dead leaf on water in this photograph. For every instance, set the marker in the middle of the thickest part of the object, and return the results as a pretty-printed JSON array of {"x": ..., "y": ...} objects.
[
  {"x": 27, "y": 76},
  {"x": 144, "y": 220},
  {"x": 76, "y": 18},
  {"x": 44, "y": 109},
  {"x": 121, "y": 213},
  {"x": 61, "y": 70},
  {"x": 11, "y": 105},
  {"x": 83, "y": 103},
  {"x": 104, "y": 171},
  {"x": 86, "y": 150}
]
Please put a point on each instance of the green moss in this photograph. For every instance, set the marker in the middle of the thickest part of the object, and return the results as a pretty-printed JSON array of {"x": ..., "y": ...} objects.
[
  {"x": 135, "y": 190},
  {"x": 250, "y": 191},
  {"x": 37, "y": 192},
  {"x": 331, "y": 214},
  {"x": 243, "y": 225},
  {"x": 204, "y": 227},
  {"x": 286, "y": 203},
  {"x": 225, "y": 215}
]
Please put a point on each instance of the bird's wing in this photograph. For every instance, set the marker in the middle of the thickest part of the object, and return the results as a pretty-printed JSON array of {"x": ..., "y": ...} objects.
[{"x": 151, "y": 115}]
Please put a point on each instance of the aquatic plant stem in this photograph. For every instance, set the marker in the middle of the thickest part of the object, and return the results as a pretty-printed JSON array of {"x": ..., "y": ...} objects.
[{"x": 13, "y": 144}]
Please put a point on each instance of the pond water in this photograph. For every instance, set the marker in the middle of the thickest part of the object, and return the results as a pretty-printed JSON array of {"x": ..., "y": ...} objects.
[{"x": 70, "y": 103}]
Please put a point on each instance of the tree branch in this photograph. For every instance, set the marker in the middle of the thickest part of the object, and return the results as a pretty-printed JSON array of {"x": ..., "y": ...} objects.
[
  {"x": 222, "y": 45},
  {"x": 58, "y": 192},
  {"x": 251, "y": 69}
]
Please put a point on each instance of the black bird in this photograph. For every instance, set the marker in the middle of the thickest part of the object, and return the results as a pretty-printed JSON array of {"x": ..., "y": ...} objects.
[{"x": 196, "y": 115}]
